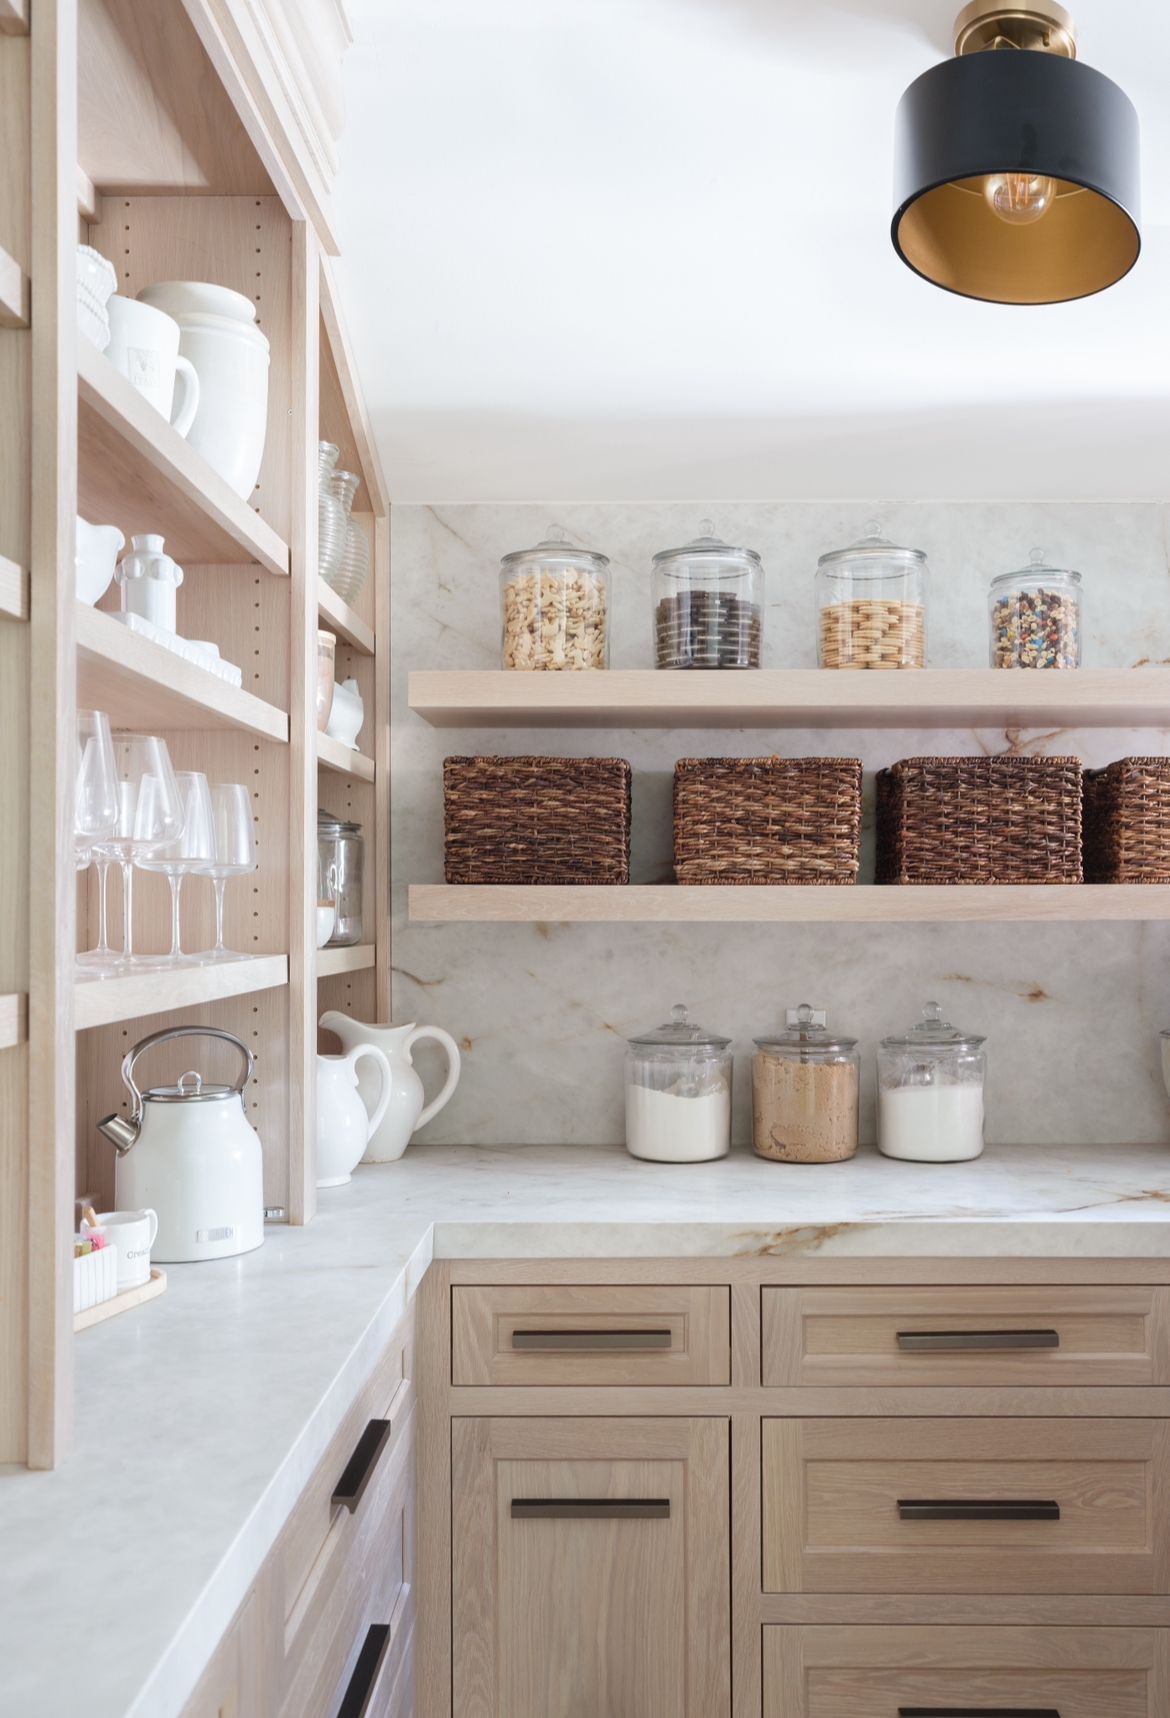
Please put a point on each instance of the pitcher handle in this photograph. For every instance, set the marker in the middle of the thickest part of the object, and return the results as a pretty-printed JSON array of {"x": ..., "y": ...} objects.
[
  {"x": 187, "y": 386},
  {"x": 383, "y": 1102},
  {"x": 452, "y": 1052}
]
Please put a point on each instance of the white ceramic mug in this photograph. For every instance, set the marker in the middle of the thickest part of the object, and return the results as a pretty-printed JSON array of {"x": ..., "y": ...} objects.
[
  {"x": 144, "y": 346},
  {"x": 133, "y": 1233}
]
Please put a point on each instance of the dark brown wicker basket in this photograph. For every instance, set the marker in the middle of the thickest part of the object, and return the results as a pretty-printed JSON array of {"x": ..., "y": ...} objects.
[
  {"x": 979, "y": 820},
  {"x": 536, "y": 820},
  {"x": 1127, "y": 822},
  {"x": 767, "y": 820}
]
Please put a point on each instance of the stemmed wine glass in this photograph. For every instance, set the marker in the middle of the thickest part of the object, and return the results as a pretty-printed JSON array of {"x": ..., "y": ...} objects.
[
  {"x": 95, "y": 808},
  {"x": 192, "y": 851},
  {"x": 235, "y": 852},
  {"x": 149, "y": 815}
]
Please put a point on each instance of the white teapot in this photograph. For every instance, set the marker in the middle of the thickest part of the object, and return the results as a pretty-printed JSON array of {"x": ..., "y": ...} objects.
[
  {"x": 344, "y": 1125},
  {"x": 392, "y": 1126}
]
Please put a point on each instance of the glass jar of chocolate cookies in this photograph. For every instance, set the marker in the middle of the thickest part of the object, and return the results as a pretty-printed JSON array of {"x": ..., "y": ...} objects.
[
  {"x": 708, "y": 604},
  {"x": 804, "y": 1092}
]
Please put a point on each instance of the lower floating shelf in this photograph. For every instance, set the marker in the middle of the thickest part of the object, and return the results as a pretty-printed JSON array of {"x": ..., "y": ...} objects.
[
  {"x": 103, "y": 1001},
  {"x": 665, "y": 904}
]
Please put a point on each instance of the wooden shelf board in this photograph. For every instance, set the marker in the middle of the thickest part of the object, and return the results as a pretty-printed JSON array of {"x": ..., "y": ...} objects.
[
  {"x": 332, "y": 755},
  {"x": 13, "y": 590},
  {"x": 103, "y": 1001},
  {"x": 343, "y": 620},
  {"x": 795, "y": 698},
  {"x": 141, "y": 685},
  {"x": 332, "y": 961},
  {"x": 439, "y": 903},
  {"x": 136, "y": 472},
  {"x": 14, "y": 291},
  {"x": 13, "y": 1019}
]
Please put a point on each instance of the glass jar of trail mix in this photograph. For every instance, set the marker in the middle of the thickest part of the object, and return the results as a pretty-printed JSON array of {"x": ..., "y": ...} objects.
[{"x": 1036, "y": 617}]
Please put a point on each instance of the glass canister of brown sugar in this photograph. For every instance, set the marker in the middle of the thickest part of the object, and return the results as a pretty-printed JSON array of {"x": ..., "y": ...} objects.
[
  {"x": 871, "y": 605},
  {"x": 804, "y": 1092}
]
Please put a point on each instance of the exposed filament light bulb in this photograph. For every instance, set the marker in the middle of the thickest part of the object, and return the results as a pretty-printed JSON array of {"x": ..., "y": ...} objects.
[{"x": 1019, "y": 199}]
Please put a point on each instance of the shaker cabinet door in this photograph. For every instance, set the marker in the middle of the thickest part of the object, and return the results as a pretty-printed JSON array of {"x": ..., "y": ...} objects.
[{"x": 591, "y": 1568}]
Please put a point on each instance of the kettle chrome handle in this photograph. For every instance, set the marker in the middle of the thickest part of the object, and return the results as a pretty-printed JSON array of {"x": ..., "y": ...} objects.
[{"x": 132, "y": 1056}]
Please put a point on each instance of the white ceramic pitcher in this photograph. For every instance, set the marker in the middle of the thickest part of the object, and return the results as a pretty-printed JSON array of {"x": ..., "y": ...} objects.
[
  {"x": 390, "y": 1131},
  {"x": 344, "y": 1125}
]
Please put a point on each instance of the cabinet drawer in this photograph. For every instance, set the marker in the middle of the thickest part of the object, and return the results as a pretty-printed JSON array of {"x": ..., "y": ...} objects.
[
  {"x": 591, "y": 1335},
  {"x": 966, "y": 1672},
  {"x": 966, "y": 1506},
  {"x": 999, "y": 1336}
]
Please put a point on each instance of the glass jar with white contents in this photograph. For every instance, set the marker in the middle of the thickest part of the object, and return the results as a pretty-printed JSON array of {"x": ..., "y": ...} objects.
[
  {"x": 554, "y": 606},
  {"x": 930, "y": 1092},
  {"x": 678, "y": 1093}
]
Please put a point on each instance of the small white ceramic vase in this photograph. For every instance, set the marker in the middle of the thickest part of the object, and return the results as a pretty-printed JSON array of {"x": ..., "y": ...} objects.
[
  {"x": 346, "y": 714},
  {"x": 149, "y": 580}
]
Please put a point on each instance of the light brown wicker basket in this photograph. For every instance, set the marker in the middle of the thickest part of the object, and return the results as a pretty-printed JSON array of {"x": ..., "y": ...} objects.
[
  {"x": 979, "y": 820},
  {"x": 536, "y": 820},
  {"x": 767, "y": 820},
  {"x": 1127, "y": 822}
]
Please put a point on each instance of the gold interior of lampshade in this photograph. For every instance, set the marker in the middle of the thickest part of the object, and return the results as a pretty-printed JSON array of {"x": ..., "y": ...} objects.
[
  {"x": 1083, "y": 244},
  {"x": 1047, "y": 28}
]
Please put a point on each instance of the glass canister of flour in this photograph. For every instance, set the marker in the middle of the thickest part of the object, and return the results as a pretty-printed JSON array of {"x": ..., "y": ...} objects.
[
  {"x": 930, "y": 1092},
  {"x": 678, "y": 1093},
  {"x": 804, "y": 1092}
]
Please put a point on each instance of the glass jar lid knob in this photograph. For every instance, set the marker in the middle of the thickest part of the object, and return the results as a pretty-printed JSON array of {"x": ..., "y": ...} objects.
[
  {"x": 1037, "y": 557},
  {"x": 806, "y": 1019}
]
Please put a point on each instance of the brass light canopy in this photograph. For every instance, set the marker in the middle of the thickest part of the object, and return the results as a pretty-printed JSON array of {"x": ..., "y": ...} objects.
[{"x": 1016, "y": 166}]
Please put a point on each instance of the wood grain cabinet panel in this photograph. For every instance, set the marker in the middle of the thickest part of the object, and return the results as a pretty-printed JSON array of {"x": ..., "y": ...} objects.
[
  {"x": 591, "y": 1334},
  {"x": 850, "y": 1672},
  {"x": 966, "y": 1506},
  {"x": 591, "y": 1568},
  {"x": 1021, "y": 1335}
]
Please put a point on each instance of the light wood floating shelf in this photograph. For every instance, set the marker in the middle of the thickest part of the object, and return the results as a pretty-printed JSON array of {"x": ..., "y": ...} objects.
[
  {"x": 333, "y": 961},
  {"x": 13, "y": 590},
  {"x": 795, "y": 698},
  {"x": 341, "y": 619},
  {"x": 13, "y": 1019},
  {"x": 103, "y": 1001},
  {"x": 14, "y": 292},
  {"x": 332, "y": 755},
  {"x": 440, "y": 903},
  {"x": 139, "y": 684},
  {"x": 136, "y": 472}
]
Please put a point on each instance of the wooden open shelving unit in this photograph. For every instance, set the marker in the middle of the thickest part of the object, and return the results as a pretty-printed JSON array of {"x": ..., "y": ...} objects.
[{"x": 159, "y": 141}]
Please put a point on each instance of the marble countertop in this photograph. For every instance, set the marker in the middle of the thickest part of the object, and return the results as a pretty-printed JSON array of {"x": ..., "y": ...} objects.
[{"x": 201, "y": 1415}]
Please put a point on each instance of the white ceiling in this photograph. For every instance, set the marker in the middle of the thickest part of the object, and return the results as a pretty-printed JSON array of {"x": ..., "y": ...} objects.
[{"x": 639, "y": 249}]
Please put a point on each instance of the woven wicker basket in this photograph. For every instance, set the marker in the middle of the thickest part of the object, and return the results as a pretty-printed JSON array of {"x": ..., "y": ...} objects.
[
  {"x": 1127, "y": 822},
  {"x": 979, "y": 820},
  {"x": 767, "y": 820},
  {"x": 536, "y": 820}
]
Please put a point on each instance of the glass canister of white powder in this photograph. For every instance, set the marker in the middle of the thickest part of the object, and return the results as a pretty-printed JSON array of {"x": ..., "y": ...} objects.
[
  {"x": 930, "y": 1092},
  {"x": 678, "y": 1093}
]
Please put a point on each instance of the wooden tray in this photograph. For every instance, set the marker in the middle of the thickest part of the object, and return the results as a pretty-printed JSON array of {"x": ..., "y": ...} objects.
[{"x": 122, "y": 1302}]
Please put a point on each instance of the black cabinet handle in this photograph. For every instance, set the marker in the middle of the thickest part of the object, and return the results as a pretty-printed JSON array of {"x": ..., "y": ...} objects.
[
  {"x": 359, "y": 1470},
  {"x": 978, "y": 1712},
  {"x": 936, "y": 1341},
  {"x": 590, "y": 1509},
  {"x": 977, "y": 1509},
  {"x": 356, "y": 1699},
  {"x": 592, "y": 1341}
]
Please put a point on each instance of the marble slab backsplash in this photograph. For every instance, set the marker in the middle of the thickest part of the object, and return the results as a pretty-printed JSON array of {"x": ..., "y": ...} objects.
[{"x": 1071, "y": 1012}]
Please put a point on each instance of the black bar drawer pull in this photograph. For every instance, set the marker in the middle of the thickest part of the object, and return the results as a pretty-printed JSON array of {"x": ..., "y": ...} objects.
[
  {"x": 359, "y": 1470},
  {"x": 592, "y": 1341},
  {"x": 590, "y": 1509},
  {"x": 940, "y": 1341},
  {"x": 355, "y": 1702},
  {"x": 978, "y": 1712},
  {"x": 977, "y": 1509}
]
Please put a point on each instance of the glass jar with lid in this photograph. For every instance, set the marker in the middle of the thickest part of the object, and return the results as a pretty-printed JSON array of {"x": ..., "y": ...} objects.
[
  {"x": 708, "y": 604},
  {"x": 871, "y": 604},
  {"x": 554, "y": 604},
  {"x": 340, "y": 856},
  {"x": 804, "y": 1092},
  {"x": 678, "y": 1093},
  {"x": 1036, "y": 616},
  {"x": 930, "y": 1092}
]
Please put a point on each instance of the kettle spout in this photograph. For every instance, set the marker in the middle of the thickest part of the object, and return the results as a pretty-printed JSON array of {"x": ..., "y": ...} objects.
[{"x": 120, "y": 1132}]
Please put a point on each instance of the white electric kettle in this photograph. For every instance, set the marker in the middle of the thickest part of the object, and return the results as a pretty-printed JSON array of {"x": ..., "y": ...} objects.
[{"x": 189, "y": 1152}]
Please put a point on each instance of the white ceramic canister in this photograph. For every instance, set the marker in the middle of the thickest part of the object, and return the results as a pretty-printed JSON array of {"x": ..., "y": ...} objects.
[
  {"x": 144, "y": 346},
  {"x": 930, "y": 1092},
  {"x": 218, "y": 335},
  {"x": 149, "y": 579}
]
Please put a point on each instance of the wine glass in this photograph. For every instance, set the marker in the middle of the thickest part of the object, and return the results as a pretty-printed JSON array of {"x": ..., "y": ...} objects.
[
  {"x": 95, "y": 807},
  {"x": 149, "y": 815},
  {"x": 235, "y": 852},
  {"x": 191, "y": 851}
]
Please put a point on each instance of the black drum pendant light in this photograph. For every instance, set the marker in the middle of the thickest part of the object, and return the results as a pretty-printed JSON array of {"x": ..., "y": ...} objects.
[{"x": 1016, "y": 167}]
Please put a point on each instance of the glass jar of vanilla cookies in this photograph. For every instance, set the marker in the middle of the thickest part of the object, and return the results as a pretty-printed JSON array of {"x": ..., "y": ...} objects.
[{"x": 871, "y": 605}]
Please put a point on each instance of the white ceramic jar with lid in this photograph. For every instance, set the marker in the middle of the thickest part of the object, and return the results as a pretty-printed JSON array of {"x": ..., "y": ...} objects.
[
  {"x": 930, "y": 1092},
  {"x": 678, "y": 1093},
  {"x": 871, "y": 604}
]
